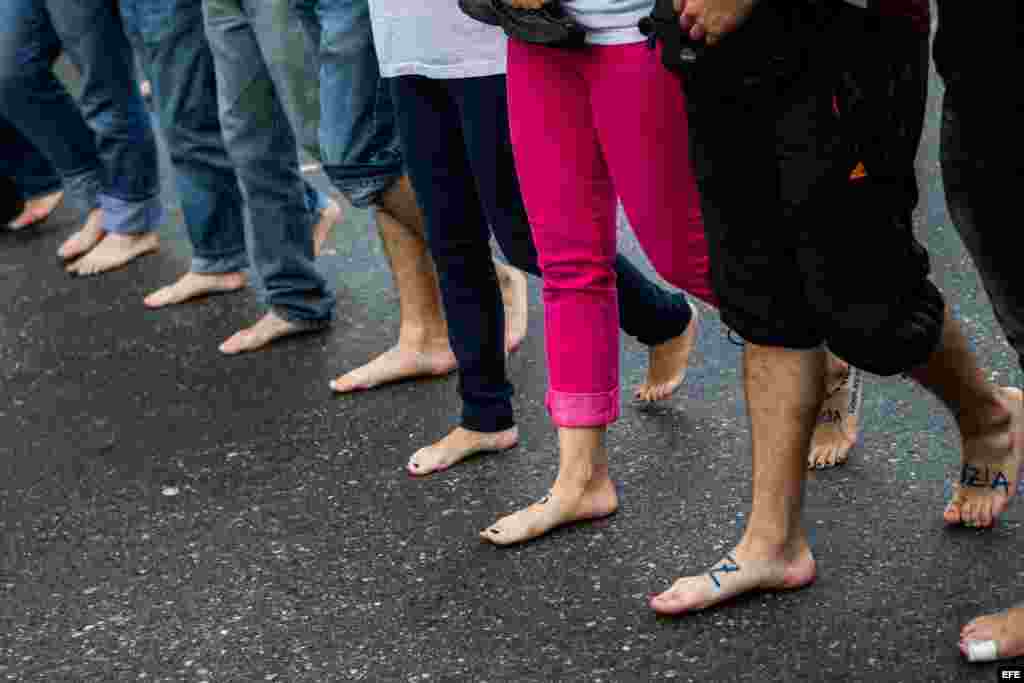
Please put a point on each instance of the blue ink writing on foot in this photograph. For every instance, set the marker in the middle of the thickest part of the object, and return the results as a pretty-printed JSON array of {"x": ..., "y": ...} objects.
[{"x": 727, "y": 566}]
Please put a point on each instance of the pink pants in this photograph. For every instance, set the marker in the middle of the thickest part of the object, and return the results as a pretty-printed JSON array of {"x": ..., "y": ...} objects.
[{"x": 588, "y": 126}]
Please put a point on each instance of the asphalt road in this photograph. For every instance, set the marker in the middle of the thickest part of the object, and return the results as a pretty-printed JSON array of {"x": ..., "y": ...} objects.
[{"x": 169, "y": 514}]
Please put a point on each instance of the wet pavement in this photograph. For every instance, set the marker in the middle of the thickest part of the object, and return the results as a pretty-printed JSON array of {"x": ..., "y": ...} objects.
[{"x": 171, "y": 514}]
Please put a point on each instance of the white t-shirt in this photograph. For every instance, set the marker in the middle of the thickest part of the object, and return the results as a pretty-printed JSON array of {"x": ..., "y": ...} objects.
[
  {"x": 433, "y": 38},
  {"x": 610, "y": 22}
]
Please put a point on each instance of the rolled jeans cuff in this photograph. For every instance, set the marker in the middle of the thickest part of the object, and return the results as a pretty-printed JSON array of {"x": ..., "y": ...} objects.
[
  {"x": 583, "y": 410},
  {"x": 131, "y": 218},
  {"x": 231, "y": 263},
  {"x": 33, "y": 191},
  {"x": 306, "y": 324},
  {"x": 82, "y": 191},
  {"x": 364, "y": 186}
]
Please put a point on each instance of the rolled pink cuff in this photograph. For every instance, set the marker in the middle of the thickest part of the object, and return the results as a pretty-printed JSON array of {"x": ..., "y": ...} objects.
[{"x": 583, "y": 410}]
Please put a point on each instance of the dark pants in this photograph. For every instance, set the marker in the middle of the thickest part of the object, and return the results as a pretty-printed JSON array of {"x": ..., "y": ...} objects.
[
  {"x": 24, "y": 165},
  {"x": 803, "y": 258},
  {"x": 11, "y": 202},
  {"x": 981, "y": 151},
  {"x": 455, "y": 140}
]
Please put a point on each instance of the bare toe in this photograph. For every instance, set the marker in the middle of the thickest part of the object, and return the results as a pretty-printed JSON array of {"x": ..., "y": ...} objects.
[
  {"x": 668, "y": 363},
  {"x": 114, "y": 251}
]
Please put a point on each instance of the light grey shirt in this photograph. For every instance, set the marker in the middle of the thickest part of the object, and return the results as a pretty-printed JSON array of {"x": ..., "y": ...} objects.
[
  {"x": 433, "y": 38},
  {"x": 610, "y": 22}
]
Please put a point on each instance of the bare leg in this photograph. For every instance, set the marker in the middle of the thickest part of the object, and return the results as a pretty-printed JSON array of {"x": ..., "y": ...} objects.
[
  {"x": 994, "y": 636},
  {"x": 667, "y": 364},
  {"x": 583, "y": 490},
  {"x": 329, "y": 217},
  {"x": 193, "y": 285},
  {"x": 87, "y": 237},
  {"x": 36, "y": 210},
  {"x": 839, "y": 417},
  {"x": 783, "y": 390},
  {"x": 422, "y": 348},
  {"x": 514, "y": 294},
  {"x": 991, "y": 422},
  {"x": 457, "y": 446}
]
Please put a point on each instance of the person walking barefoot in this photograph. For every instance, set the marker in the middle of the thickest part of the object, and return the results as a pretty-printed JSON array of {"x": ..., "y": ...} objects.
[
  {"x": 102, "y": 147},
  {"x": 896, "y": 324}
]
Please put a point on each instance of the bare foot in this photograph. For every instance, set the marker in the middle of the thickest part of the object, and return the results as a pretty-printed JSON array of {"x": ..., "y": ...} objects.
[
  {"x": 514, "y": 294},
  {"x": 396, "y": 364},
  {"x": 741, "y": 571},
  {"x": 667, "y": 364},
  {"x": 87, "y": 237},
  {"x": 994, "y": 636},
  {"x": 36, "y": 210},
  {"x": 839, "y": 418},
  {"x": 192, "y": 285},
  {"x": 114, "y": 251},
  {"x": 269, "y": 328},
  {"x": 329, "y": 217},
  {"x": 991, "y": 468},
  {"x": 598, "y": 499},
  {"x": 458, "y": 445}
]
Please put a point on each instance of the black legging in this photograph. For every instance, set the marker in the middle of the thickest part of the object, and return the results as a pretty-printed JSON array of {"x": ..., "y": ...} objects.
[{"x": 455, "y": 141}]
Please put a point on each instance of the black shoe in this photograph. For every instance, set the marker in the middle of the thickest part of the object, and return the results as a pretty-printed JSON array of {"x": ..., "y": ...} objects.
[{"x": 549, "y": 25}]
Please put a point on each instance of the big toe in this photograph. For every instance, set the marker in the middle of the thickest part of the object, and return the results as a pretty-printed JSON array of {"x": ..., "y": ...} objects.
[
  {"x": 675, "y": 600},
  {"x": 494, "y": 533},
  {"x": 235, "y": 343},
  {"x": 349, "y": 382},
  {"x": 426, "y": 461}
]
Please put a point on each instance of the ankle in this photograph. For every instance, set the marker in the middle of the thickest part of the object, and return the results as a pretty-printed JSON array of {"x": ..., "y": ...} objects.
[
  {"x": 423, "y": 338},
  {"x": 989, "y": 413},
  {"x": 772, "y": 543}
]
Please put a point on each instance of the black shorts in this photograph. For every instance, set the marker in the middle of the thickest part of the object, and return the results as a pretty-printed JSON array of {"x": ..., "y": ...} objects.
[{"x": 801, "y": 255}]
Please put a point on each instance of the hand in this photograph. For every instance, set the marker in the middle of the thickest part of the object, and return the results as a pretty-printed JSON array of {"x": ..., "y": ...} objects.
[{"x": 712, "y": 20}]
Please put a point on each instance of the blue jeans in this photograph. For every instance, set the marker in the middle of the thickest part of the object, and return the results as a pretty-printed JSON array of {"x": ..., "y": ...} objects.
[
  {"x": 29, "y": 171},
  {"x": 255, "y": 83},
  {"x": 359, "y": 144},
  {"x": 169, "y": 39},
  {"x": 103, "y": 148}
]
